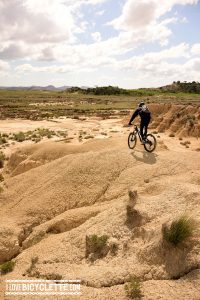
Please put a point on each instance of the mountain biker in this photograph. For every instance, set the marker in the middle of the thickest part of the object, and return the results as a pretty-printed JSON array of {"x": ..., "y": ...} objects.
[{"x": 145, "y": 116}]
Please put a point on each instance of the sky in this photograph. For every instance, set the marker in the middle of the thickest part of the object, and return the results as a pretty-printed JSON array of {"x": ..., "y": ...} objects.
[{"x": 125, "y": 43}]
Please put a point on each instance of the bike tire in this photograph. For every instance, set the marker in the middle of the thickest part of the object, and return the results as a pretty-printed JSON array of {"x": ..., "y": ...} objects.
[
  {"x": 151, "y": 143},
  {"x": 132, "y": 140}
]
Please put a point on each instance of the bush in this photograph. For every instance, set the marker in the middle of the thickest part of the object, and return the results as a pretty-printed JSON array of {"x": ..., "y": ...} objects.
[
  {"x": 96, "y": 245},
  {"x": 7, "y": 267},
  {"x": 2, "y": 140},
  {"x": 179, "y": 231},
  {"x": 19, "y": 137},
  {"x": 133, "y": 288}
]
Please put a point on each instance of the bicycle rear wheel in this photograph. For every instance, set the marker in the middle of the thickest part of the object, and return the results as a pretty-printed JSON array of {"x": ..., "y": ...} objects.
[
  {"x": 150, "y": 144},
  {"x": 132, "y": 140}
]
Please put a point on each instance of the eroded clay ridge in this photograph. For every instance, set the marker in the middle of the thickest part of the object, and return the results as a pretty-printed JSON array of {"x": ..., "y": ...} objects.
[{"x": 183, "y": 120}]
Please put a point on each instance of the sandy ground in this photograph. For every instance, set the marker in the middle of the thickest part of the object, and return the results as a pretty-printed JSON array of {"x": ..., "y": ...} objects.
[
  {"x": 72, "y": 125},
  {"x": 94, "y": 127},
  {"x": 55, "y": 194}
]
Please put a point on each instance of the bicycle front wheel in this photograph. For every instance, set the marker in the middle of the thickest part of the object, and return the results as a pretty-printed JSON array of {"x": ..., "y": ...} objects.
[
  {"x": 132, "y": 140},
  {"x": 150, "y": 144}
]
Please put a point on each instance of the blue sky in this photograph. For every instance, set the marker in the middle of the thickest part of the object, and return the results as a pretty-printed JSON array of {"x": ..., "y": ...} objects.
[{"x": 128, "y": 43}]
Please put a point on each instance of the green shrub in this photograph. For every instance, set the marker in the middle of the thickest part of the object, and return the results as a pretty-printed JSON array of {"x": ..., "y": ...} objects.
[
  {"x": 96, "y": 246},
  {"x": 46, "y": 132},
  {"x": 19, "y": 137},
  {"x": 133, "y": 288},
  {"x": 98, "y": 242},
  {"x": 7, "y": 267},
  {"x": 180, "y": 230},
  {"x": 2, "y": 140}
]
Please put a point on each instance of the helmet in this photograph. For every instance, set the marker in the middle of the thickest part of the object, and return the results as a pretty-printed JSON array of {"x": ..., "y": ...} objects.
[{"x": 141, "y": 104}]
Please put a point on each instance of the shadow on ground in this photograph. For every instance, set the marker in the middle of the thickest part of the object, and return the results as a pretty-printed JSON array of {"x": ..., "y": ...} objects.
[{"x": 145, "y": 157}]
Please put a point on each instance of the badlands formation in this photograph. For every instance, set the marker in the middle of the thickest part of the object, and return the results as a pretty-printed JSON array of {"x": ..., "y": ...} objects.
[{"x": 56, "y": 195}]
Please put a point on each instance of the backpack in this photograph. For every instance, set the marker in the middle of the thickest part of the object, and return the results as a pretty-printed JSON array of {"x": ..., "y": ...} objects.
[{"x": 145, "y": 109}]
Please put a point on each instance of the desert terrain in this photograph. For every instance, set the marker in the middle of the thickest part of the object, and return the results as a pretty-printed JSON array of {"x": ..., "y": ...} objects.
[{"x": 59, "y": 190}]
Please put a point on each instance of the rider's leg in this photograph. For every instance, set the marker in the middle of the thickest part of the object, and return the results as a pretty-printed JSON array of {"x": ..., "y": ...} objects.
[
  {"x": 146, "y": 128},
  {"x": 142, "y": 129}
]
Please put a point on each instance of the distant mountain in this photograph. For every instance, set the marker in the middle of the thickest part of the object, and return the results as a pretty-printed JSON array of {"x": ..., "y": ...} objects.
[{"x": 36, "y": 88}]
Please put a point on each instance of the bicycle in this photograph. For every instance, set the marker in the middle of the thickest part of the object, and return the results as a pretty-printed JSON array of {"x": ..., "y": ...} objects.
[{"x": 150, "y": 142}]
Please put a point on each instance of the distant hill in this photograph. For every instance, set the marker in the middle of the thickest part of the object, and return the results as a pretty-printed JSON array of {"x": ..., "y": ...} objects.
[
  {"x": 36, "y": 88},
  {"x": 175, "y": 87},
  {"x": 185, "y": 87}
]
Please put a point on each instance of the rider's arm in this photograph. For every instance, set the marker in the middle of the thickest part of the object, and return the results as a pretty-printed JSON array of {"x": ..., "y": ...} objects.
[{"x": 135, "y": 114}]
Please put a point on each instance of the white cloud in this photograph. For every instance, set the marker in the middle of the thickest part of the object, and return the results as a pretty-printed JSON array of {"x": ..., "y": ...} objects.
[
  {"x": 22, "y": 20},
  {"x": 96, "y": 36},
  {"x": 4, "y": 66},
  {"x": 13, "y": 51},
  {"x": 150, "y": 62},
  {"x": 100, "y": 12},
  {"x": 195, "y": 50},
  {"x": 28, "y": 68},
  {"x": 136, "y": 14},
  {"x": 48, "y": 31},
  {"x": 143, "y": 15}
]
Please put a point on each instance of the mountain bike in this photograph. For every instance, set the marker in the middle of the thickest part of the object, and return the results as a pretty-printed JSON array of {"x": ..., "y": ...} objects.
[{"x": 150, "y": 141}]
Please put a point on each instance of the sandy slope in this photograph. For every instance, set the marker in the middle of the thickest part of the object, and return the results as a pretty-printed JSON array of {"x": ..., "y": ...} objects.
[{"x": 48, "y": 208}]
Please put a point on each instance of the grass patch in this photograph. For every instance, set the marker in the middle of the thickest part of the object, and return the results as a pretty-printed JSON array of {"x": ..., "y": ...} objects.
[
  {"x": 7, "y": 267},
  {"x": 133, "y": 288},
  {"x": 2, "y": 140},
  {"x": 19, "y": 137},
  {"x": 96, "y": 246},
  {"x": 180, "y": 230}
]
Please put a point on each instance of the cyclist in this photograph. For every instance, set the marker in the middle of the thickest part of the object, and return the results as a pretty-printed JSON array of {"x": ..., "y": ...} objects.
[{"x": 145, "y": 116}]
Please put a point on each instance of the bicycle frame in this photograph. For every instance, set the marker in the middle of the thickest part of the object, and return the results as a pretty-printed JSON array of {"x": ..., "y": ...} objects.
[{"x": 137, "y": 131}]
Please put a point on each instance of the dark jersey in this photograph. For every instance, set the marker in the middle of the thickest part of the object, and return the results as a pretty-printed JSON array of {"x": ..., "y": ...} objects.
[{"x": 144, "y": 114}]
